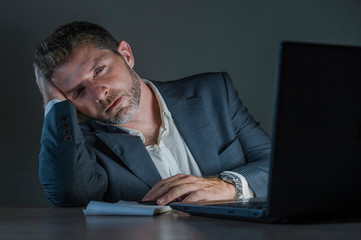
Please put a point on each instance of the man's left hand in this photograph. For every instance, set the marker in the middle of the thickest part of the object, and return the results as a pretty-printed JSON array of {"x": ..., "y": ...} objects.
[{"x": 188, "y": 188}]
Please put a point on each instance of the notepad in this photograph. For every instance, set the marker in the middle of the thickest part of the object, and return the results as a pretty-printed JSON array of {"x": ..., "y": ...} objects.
[{"x": 124, "y": 208}]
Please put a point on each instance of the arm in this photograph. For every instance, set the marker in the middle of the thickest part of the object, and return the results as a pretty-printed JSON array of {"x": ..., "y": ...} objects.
[
  {"x": 254, "y": 140},
  {"x": 256, "y": 146},
  {"x": 68, "y": 172}
]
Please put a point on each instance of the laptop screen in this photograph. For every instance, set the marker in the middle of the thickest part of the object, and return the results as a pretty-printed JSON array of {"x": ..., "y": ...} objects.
[{"x": 316, "y": 138}]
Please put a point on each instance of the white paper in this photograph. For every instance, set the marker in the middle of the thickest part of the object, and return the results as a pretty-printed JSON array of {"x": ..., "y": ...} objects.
[{"x": 124, "y": 208}]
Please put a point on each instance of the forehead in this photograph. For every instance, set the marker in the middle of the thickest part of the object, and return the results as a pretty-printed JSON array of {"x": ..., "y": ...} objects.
[
  {"x": 79, "y": 64},
  {"x": 81, "y": 56}
]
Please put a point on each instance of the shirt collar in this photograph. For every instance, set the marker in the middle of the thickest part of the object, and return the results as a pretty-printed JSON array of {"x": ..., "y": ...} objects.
[{"x": 163, "y": 109}]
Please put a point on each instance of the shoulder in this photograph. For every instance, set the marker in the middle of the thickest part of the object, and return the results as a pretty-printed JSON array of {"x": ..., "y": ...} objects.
[
  {"x": 203, "y": 78},
  {"x": 210, "y": 81}
]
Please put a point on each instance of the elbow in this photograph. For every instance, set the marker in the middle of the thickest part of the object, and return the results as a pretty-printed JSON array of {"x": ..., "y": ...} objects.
[
  {"x": 64, "y": 198},
  {"x": 72, "y": 194}
]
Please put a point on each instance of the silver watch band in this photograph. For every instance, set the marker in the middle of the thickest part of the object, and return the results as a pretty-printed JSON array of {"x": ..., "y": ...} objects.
[{"x": 229, "y": 177}]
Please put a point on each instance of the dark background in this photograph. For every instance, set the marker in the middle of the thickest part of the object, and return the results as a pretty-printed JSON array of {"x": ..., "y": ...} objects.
[{"x": 170, "y": 39}]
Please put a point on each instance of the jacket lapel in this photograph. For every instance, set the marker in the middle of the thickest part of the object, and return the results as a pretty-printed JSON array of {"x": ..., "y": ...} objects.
[
  {"x": 189, "y": 115},
  {"x": 131, "y": 151}
]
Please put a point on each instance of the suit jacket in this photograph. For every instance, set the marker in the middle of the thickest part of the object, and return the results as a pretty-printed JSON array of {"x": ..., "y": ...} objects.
[{"x": 91, "y": 161}]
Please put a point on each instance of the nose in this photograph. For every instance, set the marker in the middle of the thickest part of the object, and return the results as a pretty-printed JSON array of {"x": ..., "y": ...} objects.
[{"x": 100, "y": 92}]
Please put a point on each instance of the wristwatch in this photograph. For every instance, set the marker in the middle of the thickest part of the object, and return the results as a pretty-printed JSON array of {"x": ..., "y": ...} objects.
[{"x": 233, "y": 178}]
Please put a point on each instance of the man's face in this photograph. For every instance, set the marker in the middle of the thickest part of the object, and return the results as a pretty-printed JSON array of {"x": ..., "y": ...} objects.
[{"x": 100, "y": 84}]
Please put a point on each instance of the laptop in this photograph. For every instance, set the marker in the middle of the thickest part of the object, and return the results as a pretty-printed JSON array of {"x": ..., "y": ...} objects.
[{"x": 316, "y": 143}]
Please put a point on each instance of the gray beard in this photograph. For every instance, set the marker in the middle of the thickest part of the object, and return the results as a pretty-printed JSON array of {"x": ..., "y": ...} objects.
[
  {"x": 125, "y": 118},
  {"x": 124, "y": 115}
]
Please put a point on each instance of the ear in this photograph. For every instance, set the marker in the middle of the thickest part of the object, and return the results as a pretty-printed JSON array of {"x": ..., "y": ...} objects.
[{"x": 125, "y": 50}]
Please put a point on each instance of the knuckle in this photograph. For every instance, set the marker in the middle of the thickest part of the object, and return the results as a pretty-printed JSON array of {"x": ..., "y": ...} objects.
[
  {"x": 168, "y": 184},
  {"x": 180, "y": 175},
  {"x": 196, "y": 194},
  {"x": 192, "y": 177}
]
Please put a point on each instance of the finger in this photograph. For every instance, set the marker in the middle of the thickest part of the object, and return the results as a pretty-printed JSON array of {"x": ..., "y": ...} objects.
[
  {"x": 212, "y": 190},
  {"x": 155, "y": 191},
  {"x": 36, "y": 71},
  {"x": 183, "y": 189},
  {"x": 196, "y": 196},
  {"x": 178, "y": 191},
  {"x": 157, "y": 186},
  {"x": 160, "y": 188},
  {"x": 169, "y": 185},
  {"x": 38, "y": 77}
]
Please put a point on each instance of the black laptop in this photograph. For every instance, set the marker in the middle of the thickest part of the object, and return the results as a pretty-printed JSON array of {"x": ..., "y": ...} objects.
[{"x": 316, "y": 153}]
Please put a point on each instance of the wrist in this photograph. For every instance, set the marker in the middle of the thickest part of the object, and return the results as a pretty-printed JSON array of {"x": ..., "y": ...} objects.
[
  {"x": 235, "y": 181},
  {"x": 232, "y": 189},
  {"x": 48, "y": 99},
  {"x": 50, "y": 104}
]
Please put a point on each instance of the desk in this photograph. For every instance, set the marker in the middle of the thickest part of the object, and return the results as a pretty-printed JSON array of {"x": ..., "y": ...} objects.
[{"x": 70, "y": 223}]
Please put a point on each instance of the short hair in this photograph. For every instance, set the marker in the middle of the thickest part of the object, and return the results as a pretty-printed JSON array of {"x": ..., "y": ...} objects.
[{"x": 56, "y": 49}]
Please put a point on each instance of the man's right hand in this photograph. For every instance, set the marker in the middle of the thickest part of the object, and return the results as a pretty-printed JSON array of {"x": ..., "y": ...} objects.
[{"x": 48, "y": 90}]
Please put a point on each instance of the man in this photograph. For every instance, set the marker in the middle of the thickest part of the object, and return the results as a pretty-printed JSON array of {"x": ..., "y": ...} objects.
[{"x": 185, "y": 140}]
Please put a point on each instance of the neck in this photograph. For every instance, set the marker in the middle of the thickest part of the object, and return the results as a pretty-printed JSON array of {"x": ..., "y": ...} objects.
[{"x": 148, "y": 114}]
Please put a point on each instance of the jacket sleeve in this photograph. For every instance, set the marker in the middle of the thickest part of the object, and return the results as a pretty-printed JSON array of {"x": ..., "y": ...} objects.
[
  {"x": 68, "y": 170},
  {"x": 254, "y": 141}
]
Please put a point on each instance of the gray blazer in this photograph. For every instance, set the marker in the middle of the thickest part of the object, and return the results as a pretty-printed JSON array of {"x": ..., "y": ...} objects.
[{"x": 90, "y": 161}]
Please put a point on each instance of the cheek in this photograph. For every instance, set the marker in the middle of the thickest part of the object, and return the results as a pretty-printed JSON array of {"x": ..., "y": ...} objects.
[{"x": 121, "y": 81}]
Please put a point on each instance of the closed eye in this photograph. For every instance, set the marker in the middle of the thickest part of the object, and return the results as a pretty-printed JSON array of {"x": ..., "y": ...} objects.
[
  {"x": 98, "y": 70},
  {"x": 79, "y": 92}
]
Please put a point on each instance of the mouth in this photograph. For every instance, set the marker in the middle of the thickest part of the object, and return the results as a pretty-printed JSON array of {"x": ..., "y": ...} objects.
[{"x": 113, "y": 105}]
